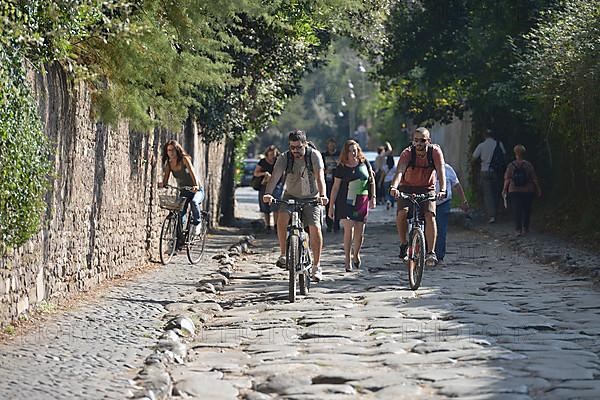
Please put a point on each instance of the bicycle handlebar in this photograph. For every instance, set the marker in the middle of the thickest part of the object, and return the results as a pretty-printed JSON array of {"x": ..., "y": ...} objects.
[
  {"x": 417, "y": 198},
  {"x": 297, "y": 202},
  {"x": 188, "y": 188}
]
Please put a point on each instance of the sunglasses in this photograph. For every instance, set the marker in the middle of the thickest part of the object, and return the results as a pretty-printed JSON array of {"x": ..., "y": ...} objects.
[
  {"x": 296, "y": 147},
  {"x": 420, "y": 140}
]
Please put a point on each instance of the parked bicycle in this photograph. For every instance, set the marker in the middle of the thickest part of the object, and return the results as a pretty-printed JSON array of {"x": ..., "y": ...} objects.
[
  {"x": 415, "y": 254},
  {"x": 297, "y": 251},
  {"x": 175, "y": 233}
]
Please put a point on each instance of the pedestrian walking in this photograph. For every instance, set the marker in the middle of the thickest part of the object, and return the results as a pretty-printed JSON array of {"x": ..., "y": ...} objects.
[
  {"x": 354, "y": 186},
  {"x": 491, "y": 152},
  {"x": 521, "y": 185},
  {"x": 442, "y": 210},
  {"x": 331, "y": 158}
]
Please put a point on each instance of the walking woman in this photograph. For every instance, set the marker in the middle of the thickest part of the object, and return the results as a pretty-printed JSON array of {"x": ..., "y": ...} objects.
[
  {"x": 178, "y": 162},
  {"x": 264, "y": 168},
  {"x": 521, "y": 184},
  {"x": 353, "y": 193}
]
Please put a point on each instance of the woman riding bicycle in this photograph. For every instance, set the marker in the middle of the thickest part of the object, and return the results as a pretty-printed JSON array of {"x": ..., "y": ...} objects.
[{"x": 177, "y": 161}]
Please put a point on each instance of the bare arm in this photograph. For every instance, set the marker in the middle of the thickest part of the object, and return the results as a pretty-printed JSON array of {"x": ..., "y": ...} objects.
[
  {"x": 459, "y": 189},
  {"x": 278, "y": 170},
  {"x": 398, "y": 175},
  {"x": 334, "y": 192},
  {"x": 166, "y": 175},
  {"x": 320, "y": 177},
  {"x": 258, "y": 171}
]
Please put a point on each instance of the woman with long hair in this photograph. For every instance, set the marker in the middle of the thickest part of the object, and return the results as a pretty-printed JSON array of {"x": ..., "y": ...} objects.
[
  {"x": 353, "y": 193},
  {"x": 178, "y": 162}
]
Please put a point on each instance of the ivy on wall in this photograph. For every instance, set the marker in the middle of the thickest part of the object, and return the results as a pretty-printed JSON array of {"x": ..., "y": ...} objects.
[{"x": 24, "y": 157}]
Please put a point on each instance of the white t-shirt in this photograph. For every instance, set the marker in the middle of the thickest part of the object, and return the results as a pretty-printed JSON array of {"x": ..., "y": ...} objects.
[
  {"x": 451, "y": 180},
  {"x": 485, "y": 151}
]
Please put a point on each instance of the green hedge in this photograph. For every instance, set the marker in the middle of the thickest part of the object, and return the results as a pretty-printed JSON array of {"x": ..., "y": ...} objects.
[{"x": 24, "y": 157}]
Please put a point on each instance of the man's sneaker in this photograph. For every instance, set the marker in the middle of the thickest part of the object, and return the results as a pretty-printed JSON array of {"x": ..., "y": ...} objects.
[
  {"x": 317, "y": 274},
  {"x": 281, "y": 262},
  {"x": 403, "y": 247},
  {"x": 430, "y": 259},
  {"x": 491, "y": 220}
]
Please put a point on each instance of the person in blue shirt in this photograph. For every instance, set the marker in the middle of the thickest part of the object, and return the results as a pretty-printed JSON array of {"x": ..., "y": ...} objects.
[{"x": 443, "y": 210}]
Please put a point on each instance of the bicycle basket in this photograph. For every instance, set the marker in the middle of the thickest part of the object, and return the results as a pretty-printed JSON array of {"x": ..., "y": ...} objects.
[{"x": 170, "y": 202}]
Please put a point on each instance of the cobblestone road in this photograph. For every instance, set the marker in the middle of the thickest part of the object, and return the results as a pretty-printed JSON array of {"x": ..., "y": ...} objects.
[
  {"x": 490, "y": 325},
  {"x": 94, "y": 349}
]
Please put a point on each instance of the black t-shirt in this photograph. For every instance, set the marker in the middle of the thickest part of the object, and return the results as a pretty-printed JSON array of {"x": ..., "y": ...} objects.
[
  {"x": 264, "y": 164},
  {"x": 330, "y": 160}
]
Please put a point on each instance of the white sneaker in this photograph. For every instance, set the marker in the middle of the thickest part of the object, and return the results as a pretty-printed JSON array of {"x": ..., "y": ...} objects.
[
  {"x": 194, "y": 230},
  {"x": 317, "y": 274}
]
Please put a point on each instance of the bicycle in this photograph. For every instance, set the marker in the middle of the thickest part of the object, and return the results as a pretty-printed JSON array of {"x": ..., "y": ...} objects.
[
  {"x": 415, "y": 253},
  {"x": 297, "y": 251},
  {"x": 175, "y": 232}
]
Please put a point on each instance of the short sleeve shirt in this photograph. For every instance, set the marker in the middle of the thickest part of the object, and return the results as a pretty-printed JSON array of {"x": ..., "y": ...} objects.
[
  {"x": 531, "y": 177},
  {"x": 451, "y": 180},
  {"x": 419, "y": 176},
  {"x": 330, "y": 160},
  {"x": 297, "y": 182}
]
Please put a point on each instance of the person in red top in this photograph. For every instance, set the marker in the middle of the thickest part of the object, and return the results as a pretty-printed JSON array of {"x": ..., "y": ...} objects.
[{"x": 414, "y": 173}]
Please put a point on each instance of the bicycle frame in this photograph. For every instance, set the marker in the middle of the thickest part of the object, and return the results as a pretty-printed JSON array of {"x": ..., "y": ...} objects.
[
  {"x": 298, "y": 257},
  {"x": 181, "y": 237},
  {"x": 296, "y": 227}
]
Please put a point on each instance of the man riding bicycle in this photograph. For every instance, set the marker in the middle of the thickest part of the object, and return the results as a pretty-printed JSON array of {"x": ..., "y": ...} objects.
[
  {"x": 302, "y": 170},
  {"x": 415, "y": 175}
]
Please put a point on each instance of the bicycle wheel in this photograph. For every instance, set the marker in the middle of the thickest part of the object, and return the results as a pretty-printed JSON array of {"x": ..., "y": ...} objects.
[
  {"x": 168, "y": 239},
  {"x": 195, "y": 246},
  {"x": 292, "y": 261},
  {"x": 304, "y": 277},
  {"x": 416, "y": 258}
]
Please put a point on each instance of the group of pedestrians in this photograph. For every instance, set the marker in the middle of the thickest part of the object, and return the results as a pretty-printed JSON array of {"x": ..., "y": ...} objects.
[
  {"x": 346, "y": 183},
  {"x": 518, "y": 182}
]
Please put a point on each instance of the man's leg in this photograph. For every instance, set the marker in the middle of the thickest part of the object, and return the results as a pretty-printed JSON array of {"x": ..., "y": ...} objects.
[
  {"x": 402, "y": 225},
  {"x": 441, "y": 219},
  {"x": 282, "y": 223},
  {"x": 487, "y": 184},
  {"x": 316, "y": 243},
  {"x": 430, "y": 231}
]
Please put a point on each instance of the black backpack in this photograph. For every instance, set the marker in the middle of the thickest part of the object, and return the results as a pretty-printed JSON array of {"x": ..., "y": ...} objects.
[
  {"x": 497, "y": 163},
  {"x": 309, "y": 165},
  {"x": 519, "y": 175}
]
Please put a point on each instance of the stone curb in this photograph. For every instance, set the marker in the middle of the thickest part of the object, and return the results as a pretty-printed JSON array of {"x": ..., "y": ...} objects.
[{"x": 154, "y": 381}]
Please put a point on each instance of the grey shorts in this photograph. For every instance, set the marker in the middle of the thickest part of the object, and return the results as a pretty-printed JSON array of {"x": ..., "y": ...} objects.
[{"x": 311, "y": 215}]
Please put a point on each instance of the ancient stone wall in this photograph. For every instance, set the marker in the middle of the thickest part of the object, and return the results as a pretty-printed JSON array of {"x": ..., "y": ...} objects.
[{"x": 102, "y": 217}]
